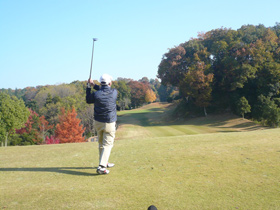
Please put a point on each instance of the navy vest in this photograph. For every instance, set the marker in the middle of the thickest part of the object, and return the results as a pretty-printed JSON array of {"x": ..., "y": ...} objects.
[{"x": 104, "y": 99}]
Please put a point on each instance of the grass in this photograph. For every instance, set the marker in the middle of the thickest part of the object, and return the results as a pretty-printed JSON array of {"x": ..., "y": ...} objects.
[
  {"x": 154, "y": 120},
  {"x": 212, "y": 170}
]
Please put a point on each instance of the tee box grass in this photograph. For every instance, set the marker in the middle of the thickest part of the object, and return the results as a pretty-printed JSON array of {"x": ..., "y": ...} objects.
[{"x": 219, "y": 168}]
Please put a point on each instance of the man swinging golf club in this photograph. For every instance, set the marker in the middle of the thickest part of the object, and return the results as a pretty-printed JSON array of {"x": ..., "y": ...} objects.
[{"x": 105, "y": 115}]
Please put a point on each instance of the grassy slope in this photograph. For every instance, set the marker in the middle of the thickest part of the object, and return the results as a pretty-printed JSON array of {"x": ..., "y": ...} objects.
[
  {"x": 213, "y": 170},
  {"x": 154, "y": 121}
]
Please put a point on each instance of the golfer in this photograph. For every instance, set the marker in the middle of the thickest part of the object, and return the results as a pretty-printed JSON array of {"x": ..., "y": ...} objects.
[{"x": 105, "y": 115}]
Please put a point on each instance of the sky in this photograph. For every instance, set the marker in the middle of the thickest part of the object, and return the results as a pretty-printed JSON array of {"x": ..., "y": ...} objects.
[{"x": 49, "y": 42}]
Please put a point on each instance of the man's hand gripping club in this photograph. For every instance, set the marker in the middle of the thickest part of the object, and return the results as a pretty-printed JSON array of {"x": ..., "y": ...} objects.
[{"x": 90, "y": 83}]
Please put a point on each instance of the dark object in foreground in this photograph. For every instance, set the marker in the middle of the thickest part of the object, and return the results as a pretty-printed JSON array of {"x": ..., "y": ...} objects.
[{"x": 152, "y": 207}]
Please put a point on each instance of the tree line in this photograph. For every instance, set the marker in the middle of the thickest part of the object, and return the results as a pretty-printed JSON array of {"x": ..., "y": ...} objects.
[
  {"x": 225, "y": 69},
  {"x": 221, "y": 70},
  {"x": 59, "y": 113}
]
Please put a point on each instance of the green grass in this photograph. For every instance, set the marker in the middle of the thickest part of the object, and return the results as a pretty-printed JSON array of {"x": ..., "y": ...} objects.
[
  {"x": 155, "y": 120},
  {"x": 212, "y": 170}
]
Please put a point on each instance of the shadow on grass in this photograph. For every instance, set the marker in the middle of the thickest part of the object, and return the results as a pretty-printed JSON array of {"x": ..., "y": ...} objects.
[{"x": 63, "y": 170}]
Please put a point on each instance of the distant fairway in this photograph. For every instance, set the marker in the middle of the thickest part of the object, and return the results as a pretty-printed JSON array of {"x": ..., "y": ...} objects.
[
  {"x": 204, "y": 163},
  {"x": 154, "y": 121}
]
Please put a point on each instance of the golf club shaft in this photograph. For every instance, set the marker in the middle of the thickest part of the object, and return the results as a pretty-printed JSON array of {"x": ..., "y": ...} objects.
[{"x": 91, "y": 60}]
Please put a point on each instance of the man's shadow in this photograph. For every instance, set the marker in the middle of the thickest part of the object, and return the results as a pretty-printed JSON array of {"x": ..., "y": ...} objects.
[{"x": 63, "y": 170}]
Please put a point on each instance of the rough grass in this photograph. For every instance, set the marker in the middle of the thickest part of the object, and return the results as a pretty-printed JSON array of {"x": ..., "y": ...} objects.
[{"x": 214, "y": 170}]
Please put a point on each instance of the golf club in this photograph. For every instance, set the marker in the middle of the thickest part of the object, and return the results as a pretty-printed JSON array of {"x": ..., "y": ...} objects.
[{"x": 94, "y": 39}]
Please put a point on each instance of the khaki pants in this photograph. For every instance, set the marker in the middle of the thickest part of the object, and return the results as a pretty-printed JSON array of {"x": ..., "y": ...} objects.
[{"x": 106, "y": 135}]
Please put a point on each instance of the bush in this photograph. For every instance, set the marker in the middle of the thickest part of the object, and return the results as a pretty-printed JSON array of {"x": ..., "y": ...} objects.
[{"x": 267, "y": 111}]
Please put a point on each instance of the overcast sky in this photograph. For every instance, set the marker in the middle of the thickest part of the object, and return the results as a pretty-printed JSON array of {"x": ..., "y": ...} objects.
[{"x": 50, "y": 41}]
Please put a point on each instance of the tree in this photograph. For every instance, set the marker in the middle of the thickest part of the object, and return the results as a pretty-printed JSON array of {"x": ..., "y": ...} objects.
[
  {"x": 69, "y": 130},
  {"x": 155, "y": 85},
  {"x": 172, "y": 66},
  {"x": 31, "y": 129},
  {"x": 13, "y": 115},
  {"x": 30, "y": 93},
  {"x": 144, "y": 80},
  {"x": 123, "y": 100},
  {"x": 243, "y": 106},
  {"x": 48, "y": 99},
  {"x": 44, "y": 127},
  {"x": 34, "y": 131},
  {"x": 52, "y": 140},
  {"x": 45, "y": 95},
  {"x": 87, "y": 119},
  {"x": 267, "y": 111},
  {"x": 138, "y": 92},
  {"x": 243, "y": 62},
  {"x": 150, "y": 96},
  {"x": 164, "y": 92},
  {"x": 198, "y": 86},
  {"x": 51, "y": 112},
  {"x": 32, "y": 104}
]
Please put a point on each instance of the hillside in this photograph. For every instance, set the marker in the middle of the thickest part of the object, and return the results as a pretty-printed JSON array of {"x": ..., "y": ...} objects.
[
  {"x": 155, "y": 120},
  {"x": 214, "y": 169}
]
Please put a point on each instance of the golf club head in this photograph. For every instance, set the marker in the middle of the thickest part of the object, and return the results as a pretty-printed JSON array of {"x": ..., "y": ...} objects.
[{"x": 94, "y": 39}]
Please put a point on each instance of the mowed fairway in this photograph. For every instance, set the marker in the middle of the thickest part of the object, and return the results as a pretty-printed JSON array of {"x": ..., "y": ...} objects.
[
  {"x": 154, "y": 121},
  {"x": 197, "y": 164}
]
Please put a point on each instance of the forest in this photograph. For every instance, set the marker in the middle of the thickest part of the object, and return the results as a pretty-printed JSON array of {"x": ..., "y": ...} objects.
[
  {"x": 49, "y": 114},
  {"x": 228, "y": 70},
  {"x": 223, "y": 70}
]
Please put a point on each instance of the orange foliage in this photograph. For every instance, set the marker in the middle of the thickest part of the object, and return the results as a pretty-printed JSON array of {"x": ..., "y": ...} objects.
[
  {"x": 69, "y": 130},
  {"x": 150, "y": 96}
]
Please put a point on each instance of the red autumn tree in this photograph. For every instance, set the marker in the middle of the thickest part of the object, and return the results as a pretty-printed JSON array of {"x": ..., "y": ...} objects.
[
  {"x": 31, "y": 128},
  {"x": 69, "y": 130},
  {"x": 138, "y": 92},
  {"x": 36, "y": 128},
  {"x": 51, "y": 140}
]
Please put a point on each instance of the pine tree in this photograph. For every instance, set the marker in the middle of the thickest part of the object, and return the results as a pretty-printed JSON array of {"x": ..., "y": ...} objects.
[{"x": 69, "y": 130}]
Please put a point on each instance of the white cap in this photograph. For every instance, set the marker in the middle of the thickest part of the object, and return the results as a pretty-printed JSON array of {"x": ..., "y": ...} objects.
[{"x": 105, "y": 79}]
